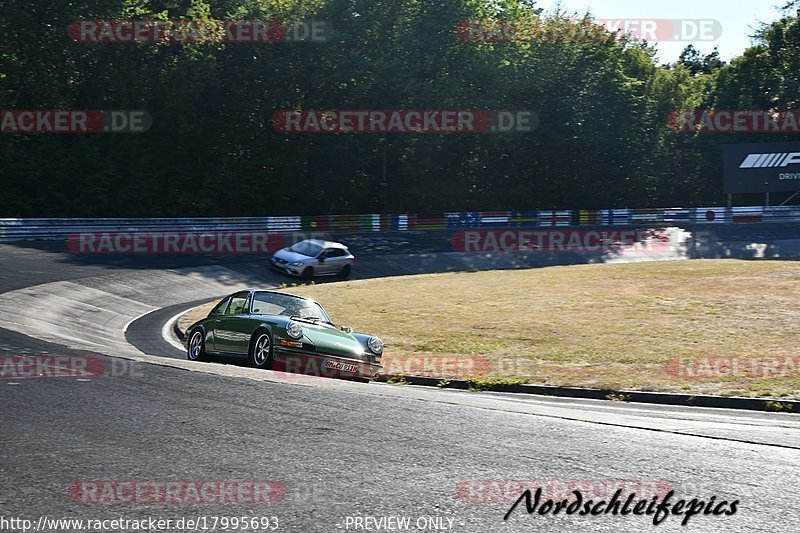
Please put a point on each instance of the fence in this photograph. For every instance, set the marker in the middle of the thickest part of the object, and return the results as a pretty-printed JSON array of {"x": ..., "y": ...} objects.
[{"x": 22, "y": 229}]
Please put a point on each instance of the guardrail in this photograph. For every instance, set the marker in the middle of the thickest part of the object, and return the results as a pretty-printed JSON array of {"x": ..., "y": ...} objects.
[{"x": 23, "y": 229}]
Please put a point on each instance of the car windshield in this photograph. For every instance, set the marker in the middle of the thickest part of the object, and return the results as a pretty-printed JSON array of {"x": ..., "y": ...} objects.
[
  {"x": 309, "y": 248},
  {"x": 272, "y": 303}
]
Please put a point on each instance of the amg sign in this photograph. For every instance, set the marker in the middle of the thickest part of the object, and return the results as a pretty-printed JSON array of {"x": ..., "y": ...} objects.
[{"x": 761, "y": 167}]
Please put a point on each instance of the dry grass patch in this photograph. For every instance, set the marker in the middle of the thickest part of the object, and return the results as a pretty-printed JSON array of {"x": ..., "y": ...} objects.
[{"x": 610, "y": 325}]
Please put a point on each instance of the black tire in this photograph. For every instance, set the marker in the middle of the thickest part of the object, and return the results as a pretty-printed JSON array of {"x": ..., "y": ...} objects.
[
  {"x": 361, "y": 380},
  {"x": 258, "y": 342},
  {"x": 345, "y": 272},
  {"x": 196, "y": 347},
  {"x": 308, "y": 273}
]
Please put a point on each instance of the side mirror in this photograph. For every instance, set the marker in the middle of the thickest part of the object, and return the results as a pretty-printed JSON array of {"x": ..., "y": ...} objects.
[
  {"x": 321, "y": 257},
  {"x": 347, "y": 329}
]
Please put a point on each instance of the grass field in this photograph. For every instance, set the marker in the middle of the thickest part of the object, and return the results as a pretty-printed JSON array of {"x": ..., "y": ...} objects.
[{"x": 612, "y": 326}]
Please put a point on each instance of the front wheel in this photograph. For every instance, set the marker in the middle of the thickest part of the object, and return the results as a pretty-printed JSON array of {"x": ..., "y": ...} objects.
[
  {"x": 261, "y": 350},
  {"x": 308, "y": 274},
  {"x": 196, "y": 350}
]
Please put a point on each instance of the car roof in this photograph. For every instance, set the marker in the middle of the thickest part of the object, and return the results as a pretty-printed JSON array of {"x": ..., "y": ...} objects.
[{"x": 327, "y": 244}]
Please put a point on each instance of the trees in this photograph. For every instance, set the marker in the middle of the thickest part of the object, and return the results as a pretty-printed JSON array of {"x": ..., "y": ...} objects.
[{"x": 602, "y": 138}]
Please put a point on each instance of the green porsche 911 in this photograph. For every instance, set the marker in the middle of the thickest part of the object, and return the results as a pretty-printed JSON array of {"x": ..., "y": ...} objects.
[{"x": 285, "y": 332}]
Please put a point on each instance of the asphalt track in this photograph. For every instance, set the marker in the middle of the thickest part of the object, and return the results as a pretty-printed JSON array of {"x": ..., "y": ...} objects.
[{"x": 341, "y": 449}]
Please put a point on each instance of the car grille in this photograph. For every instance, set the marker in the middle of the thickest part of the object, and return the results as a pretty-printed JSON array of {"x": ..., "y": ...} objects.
[{"x": 280, "y": 261}]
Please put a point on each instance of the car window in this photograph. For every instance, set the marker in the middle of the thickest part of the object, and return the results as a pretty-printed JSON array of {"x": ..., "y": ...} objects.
[
  {"x": 267, "y": 308},
  {"x": 270, "y": 303},
  {"x": 309, "y": 248},
  {"x": 220, "y": 308},
  {"x": 237, "y": 306},
  {"x": 334, "y": 252}
]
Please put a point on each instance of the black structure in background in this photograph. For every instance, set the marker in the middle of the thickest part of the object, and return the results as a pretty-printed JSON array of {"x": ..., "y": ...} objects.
[{"x": 761, "y": 168}]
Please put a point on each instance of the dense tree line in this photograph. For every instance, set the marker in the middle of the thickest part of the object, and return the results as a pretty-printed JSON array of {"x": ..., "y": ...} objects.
[{"x": 602, "y": 138}]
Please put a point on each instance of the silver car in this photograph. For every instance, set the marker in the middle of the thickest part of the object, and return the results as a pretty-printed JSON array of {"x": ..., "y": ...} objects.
[{"x": 311, "y": 258}]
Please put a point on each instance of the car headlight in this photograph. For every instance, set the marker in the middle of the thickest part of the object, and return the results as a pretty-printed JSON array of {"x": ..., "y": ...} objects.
[
  {"x": 296, "y": 264},
  {"x": 375, "y": 344},
  {"x": 294, "y": 330}
]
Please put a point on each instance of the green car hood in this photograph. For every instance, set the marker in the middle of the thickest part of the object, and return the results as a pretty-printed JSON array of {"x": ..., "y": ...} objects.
[{"x": 332, "y": 341}]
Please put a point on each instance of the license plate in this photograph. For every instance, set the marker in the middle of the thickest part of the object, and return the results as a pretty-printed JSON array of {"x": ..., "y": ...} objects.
[{"x": 344, "y": 367}]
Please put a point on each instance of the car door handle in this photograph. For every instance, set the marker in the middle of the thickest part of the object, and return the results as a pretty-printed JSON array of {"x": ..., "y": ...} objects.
[{"x": 217, "y": 321}]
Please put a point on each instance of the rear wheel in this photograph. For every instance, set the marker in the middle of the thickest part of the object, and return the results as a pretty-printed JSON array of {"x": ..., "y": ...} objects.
[
  {"x": 261, "y": 350},
  {"x": 308, "y": 273},
  {"x": 345, "y": 272},
  {"x": 196, "y": 351}
]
